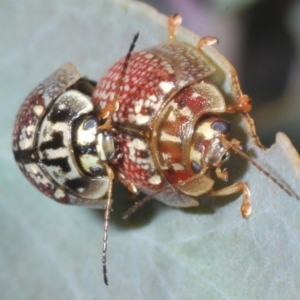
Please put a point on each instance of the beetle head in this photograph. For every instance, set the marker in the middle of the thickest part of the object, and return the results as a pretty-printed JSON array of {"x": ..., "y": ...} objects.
[{"x": 208, "y": 149}]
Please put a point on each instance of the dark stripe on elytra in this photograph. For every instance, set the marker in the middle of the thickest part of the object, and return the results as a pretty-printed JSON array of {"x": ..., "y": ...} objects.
[
  {"x": 91, "y": 149},
  {"x": 24, "y": 156},
  {"x": 61, "y": 162},
  {"x": 84, "y": 85},
  {"x": 55, "y": 143},
  {"x": 76, "y": 183},
  {"x": 59, "y": 115}
]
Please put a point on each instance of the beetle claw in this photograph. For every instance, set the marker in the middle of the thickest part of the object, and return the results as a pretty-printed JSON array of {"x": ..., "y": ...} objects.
[{"x": 206, "y": 41}]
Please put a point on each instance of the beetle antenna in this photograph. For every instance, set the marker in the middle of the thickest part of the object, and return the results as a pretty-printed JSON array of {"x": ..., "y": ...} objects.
[
  {"x": 111, "y": 176},
  {"x": 235, "y": 147},
  {"x": 139, "y": 204},
  {"x": 108, "y": 111}
]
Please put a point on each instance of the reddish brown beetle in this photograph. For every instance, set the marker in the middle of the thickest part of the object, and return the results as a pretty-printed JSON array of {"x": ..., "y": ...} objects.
[
  {"x": 169, "y": 120},
  {"x": 170, "y": 115}
]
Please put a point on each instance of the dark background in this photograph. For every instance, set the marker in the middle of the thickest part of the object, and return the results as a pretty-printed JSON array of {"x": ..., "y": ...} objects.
[{"x": 260, "y": 39}]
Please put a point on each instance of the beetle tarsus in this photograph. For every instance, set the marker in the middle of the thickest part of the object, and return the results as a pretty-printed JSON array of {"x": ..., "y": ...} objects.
[
  {"x": 243, "y": 105},
  {"x": 174, "y": 22}
]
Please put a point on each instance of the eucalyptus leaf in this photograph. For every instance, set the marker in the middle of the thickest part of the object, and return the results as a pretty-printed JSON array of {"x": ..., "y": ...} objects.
[{"x": 51, "y": 251}]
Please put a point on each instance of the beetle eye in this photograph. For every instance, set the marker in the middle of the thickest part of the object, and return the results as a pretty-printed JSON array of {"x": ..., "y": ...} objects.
[
  {"x": 196, "y": 167},
  {"x": 90, "y": 124},
  {"x": 107, "y": 145},
  {"x": 221, "y": 125},
  {"x": 225, "y": 157}
]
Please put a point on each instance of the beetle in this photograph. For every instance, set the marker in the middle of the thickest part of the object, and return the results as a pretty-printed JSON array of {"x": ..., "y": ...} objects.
[
  {"x": 156, "y": 122},
  {"x": 170, "y": 115},
  {"x": 63, "y": 166},
  {"x": 65, "y": 146},
  {"x": 172, "y": 124}
]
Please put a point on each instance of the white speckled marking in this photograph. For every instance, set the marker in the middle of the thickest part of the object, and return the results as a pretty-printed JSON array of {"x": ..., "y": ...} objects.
[
  {"x": 38, "y": 110},
  {"x": 186, "y": 112},
  {"x": 61, "y": 106},
  {"x": 138, "y": 106},
  {"x": 145, "y": 167},
  {"x": 86, "y": 136},
  {"x": 152, "y": 98},
  {"x": 149, "y": 55},
  {"x": 195, "y": 155},
  {"x": 155, "y": 179},
  {"x": 56, "y": 153},
  {"x": 27, "y": 137},
  {"x": 59, "y": 193},
  {"x": 169, "y": 138},
  {"x": 166, "y": 87},
  {"x": 142, "y": 119},
  {"x": 172, "y": 117},
  {"x": 178, "y": 167},
  {"x": 206, "y": 130},
  {"x": 195, "y": 95},
  {"x": 36, "y": 174},
  {"x": 134, "y": 146}
]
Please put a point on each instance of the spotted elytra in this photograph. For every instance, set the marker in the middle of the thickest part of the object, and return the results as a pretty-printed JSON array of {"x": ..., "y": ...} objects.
[{"x": 156, "y": 122}]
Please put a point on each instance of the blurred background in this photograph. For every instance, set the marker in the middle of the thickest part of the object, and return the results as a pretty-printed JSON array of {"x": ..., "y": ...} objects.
[{"x": 261, "y": 39}]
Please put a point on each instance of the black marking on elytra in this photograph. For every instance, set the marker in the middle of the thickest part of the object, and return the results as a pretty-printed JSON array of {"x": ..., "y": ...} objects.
[
  {"x": 91, "y": 149},
  {"x": 181, "y": 99},
  {"x": 61, "y": 162},
  {"x": 148, "y": 111},
  {"x": 77, "y": 183},
  {"x": 59, "y": 115},
  {"x": 221, "y": 125},
  {"x": 25, "y": 156},
  {"x": 181, "y": 103},
  {"x": 196, "y": 167},
  {"x": 144, "y": 154},
  {"x": 85, "y": 86},
  {"x": 56, "y": 142},
  {"x": 97, "y": 171},
  {"x": 90, "y": 123}
]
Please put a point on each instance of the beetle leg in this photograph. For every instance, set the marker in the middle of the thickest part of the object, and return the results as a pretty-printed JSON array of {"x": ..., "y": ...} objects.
[
  {"x": 251, "y": 130},
  {"x": 236, "y": 188},
  {"x": 174, "y": 22},
  {"x": 222, "y": 174}
]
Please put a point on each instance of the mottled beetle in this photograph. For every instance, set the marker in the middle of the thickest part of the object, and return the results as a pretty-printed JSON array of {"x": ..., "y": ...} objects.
[{"x": 156, "y": 121}]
